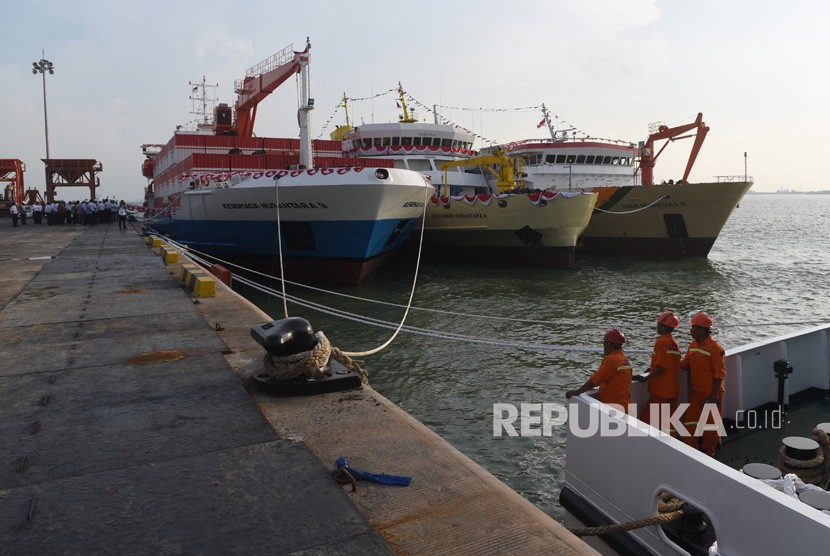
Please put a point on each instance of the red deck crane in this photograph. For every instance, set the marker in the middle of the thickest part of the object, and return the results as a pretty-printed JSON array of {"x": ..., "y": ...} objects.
[
  {"x": 259, "y": 82},
  {"x": 648, "y": 160}
]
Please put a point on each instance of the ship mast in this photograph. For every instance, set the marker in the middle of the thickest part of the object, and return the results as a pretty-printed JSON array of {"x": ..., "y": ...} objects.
[
  {"x": 407, "y": 119},
  {"x": 306, "y": 106},
  {"x": 200, "y": 100},
  {"x": 549, "y": 123}
]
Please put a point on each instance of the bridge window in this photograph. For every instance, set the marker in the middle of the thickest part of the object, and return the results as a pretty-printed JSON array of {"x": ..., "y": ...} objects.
[
  {"x": 550, "y": 159},
  {"x": 571, "y": 159},
  {"x": 406, "y": 141},
  {"x": 419, "y": 164},
  {"x": 396, "y": 141},
  {"x": 376, "y": 141},
  {"x": 534, "y": 158},
  {"x": 446, "y": 142},
  {"x": 367, "y": 142},
  {"x": 589, "y": 159},
  {"x": 387, "y": 141},
  {"x": 560, "y": 159},
  {"x": 580, "y": 159},
  {"x": 606, "y": 160},
  {"x": 615, "y": 161},
  {"x": 416, "y": 141}
]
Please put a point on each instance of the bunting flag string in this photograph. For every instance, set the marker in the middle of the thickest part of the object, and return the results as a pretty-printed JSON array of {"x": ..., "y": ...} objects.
[
  {"x": 350, "y": 99},
  {"x": 480, "y": 109},
  {"x": 446, "y": 121}
]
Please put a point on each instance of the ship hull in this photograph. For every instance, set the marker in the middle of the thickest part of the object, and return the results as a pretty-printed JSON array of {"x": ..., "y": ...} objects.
[
  {"x": 530, "y": 229},
  {"x": 332, "y": 227},
  {"x": 678, "y": 219}
]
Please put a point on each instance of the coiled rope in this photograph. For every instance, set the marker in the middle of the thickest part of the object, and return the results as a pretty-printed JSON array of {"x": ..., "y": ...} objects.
[
  {"x": 311, "y": 364},
  {"x": 814, "y": 471},
  {"x": 668, "y": 507}
]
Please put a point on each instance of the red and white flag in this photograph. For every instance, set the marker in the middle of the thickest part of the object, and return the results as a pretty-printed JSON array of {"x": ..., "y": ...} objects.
[{"x": 543, "y": 122}]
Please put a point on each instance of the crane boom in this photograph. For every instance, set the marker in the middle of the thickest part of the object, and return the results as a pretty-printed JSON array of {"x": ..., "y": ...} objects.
[
  {"x": 648, "y": 159},
  {"x": 263, "y": 79},
  {"x": 506, "y": 174}
]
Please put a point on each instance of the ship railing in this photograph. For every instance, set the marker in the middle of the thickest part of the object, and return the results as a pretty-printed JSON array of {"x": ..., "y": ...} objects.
[
  {"x": 520, "y": 142},
  {"x": 732, "y": 179},
  {"x": 274, "y": 61}
]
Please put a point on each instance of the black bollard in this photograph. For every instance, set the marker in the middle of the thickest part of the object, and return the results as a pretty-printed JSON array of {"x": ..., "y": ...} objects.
[{"x": 782, "y": 369}]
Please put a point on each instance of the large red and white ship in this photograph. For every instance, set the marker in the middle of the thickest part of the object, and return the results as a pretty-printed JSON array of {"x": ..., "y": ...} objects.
[{"x": 221, "y": 190}]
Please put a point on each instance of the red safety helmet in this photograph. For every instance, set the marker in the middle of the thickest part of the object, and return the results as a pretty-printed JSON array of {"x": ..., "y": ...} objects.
[
  {"x": 702, "y": 319},
  {"x": 614, "y": 336},
  {"x": 668, "y": 319}
]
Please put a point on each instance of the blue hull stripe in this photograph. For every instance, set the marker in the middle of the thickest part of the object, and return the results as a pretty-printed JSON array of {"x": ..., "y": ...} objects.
[{"x": 353, "y": 240}]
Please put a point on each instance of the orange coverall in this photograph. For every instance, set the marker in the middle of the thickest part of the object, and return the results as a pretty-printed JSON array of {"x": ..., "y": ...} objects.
[
  {"x": 665, "y": 387},
  {"x": 614, "y": 379},
  {"x": 706, "y": 362}
]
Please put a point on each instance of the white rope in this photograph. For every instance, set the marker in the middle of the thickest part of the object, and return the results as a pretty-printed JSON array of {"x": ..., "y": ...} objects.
[
  {"x": 451, "y": 336},
  {"x": 427, "y": 195},
  {"x": 558, "y": 322},
  {"x": 651, "y": 204},
  {"x": 279, "y": 243},
  {"x": 165, "y": 208}
]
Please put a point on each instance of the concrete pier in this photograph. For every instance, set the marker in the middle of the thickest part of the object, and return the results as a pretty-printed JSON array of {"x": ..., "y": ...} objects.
[{"x": 128, "y": 425}]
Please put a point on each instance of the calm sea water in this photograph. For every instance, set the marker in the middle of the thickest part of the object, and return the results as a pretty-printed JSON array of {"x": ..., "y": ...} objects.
[{"x": 538, "y": 332}]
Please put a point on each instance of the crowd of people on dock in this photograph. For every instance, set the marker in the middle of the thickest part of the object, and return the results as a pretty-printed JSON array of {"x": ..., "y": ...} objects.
[
  {"x": 88, "y": 212},
  {"x": 705, "y": 363}
]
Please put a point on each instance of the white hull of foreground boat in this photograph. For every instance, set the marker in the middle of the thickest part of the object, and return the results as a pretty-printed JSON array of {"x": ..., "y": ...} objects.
[{"x": 616, "y": 477}]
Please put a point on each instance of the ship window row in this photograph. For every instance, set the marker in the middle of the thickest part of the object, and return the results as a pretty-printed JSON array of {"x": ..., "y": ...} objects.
[
  {"x": 580, "y": 159},
  {"x": 424, "y": 165},
  {"x": 414, "y": 142}
]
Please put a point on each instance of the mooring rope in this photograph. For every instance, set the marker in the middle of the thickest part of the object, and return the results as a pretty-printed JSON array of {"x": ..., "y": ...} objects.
[
  {"x": 668, "y": 508},
  {"x": 311, "y": 364},
  {"x": 177, "y": 197},
  {"x": 651, "y": 204}
]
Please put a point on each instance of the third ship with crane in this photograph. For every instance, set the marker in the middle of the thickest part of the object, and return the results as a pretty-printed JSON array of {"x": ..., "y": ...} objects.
[{"x": 633, "y": 214}]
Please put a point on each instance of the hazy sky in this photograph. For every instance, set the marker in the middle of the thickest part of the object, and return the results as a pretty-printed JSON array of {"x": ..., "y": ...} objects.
[{"x": 758, "y": 70}]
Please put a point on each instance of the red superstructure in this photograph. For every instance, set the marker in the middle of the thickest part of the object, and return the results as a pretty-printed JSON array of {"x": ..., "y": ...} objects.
[{"x": 227, "y": 142}]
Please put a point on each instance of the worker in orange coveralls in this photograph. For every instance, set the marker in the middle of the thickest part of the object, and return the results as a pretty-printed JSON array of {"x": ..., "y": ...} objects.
[
  {"x": 614, "y": 374},
  {"x": 663, "y": 379},
  {"x": 706, "y": 362}
]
